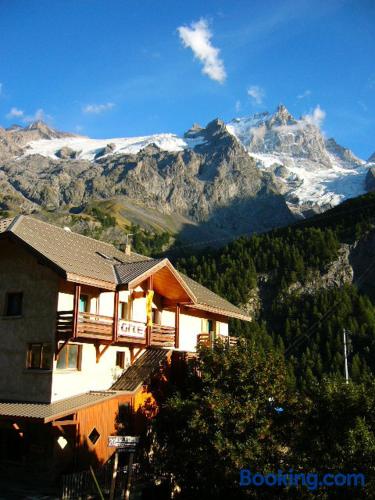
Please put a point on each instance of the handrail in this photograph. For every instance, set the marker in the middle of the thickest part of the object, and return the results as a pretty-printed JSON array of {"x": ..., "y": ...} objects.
[
  {"x": 94, "y": 317},
  {"x": 207, "y": 339}
]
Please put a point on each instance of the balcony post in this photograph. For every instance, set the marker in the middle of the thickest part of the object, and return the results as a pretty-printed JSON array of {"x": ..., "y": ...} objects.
[
  {"x": 115, "y": 317},
  {"x": 77, "y": 294},
  {"x": 177, "y": 327},
  {"x": 150, "y": 286}
]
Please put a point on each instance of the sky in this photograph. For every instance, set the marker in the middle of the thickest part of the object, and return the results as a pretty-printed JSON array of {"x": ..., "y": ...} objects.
[{"x": 112, "y": 68}]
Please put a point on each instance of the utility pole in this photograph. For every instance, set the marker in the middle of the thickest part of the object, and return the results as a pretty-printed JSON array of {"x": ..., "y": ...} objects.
[{"x": 346, "y": 357}]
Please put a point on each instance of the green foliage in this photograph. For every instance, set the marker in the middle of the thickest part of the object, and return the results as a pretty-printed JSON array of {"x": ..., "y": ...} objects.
[
  {"x": 147, "y": 242},
  {"x": 276, "y": 260},
  {"x": 144, "y": 242},
  {"x": 333, "y": 430},
  {"x": 101, "y": 216},
  {"x": 220, "y": 416},
  {"x": 213, "y": 424}
]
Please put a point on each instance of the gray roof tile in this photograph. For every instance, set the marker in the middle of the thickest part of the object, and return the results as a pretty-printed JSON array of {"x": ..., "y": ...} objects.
[
  {"x": 86, "y": 257},
  {"x": 141, "y": 371},
  {"x": 50, "y": 411}
]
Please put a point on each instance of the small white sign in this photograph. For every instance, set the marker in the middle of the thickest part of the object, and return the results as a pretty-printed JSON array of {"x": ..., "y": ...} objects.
[
  {"x": 131, "y": 329},
  {"x": 123, "y": 441}
]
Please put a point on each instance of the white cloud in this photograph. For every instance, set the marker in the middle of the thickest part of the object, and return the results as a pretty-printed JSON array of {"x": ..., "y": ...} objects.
[
  {"x": 197, "y": 37},
  {"x": 256, "y": 93},
  {"x": 316, "y": 117},
  {"x": 15, "y": 113},
  {"x": 97, "y": 109},
  {"x": 304, "y": 94},
  {"x": 39, "y": 115}
]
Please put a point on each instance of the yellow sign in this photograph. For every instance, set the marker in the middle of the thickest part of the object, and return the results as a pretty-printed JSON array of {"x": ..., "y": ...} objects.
[{"x": 149, "y": 298}]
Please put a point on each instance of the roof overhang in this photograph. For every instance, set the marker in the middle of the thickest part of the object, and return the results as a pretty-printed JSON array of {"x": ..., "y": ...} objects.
[
  {"x": 166, "y": 281},
  {"x": 48, "y": 412},
  {"x": 219, "y": 312}
]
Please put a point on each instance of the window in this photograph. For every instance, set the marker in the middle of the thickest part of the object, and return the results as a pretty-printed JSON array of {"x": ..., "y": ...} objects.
[
  {"x": 84, "y": 304},
  {"x": 156, "y": 317},
  {"x": 39, "y": 357},
  {"x": 94, "y": 436},
  {"x": 13, "y": 304},
  {"x": 126, "y": 309},
  {"x": 120, "y": 359},
  {"x": 69, "y": 358}
]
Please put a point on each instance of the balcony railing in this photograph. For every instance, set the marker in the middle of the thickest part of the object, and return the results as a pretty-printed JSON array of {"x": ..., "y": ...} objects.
[
  {"x": 163, "y": 336},
  {"x": 207, "y": 339},
  {"x": 98, "y": 327}
]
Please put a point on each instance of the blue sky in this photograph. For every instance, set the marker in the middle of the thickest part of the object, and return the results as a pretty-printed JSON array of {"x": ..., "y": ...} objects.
[{"x": 108, "y": 68}]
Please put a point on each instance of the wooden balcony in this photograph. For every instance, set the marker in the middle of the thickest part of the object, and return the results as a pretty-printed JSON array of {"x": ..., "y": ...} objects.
[
  {"x": 163, "y": 336},
  {"x": 207, "y": 339},
  {"x": 97, "y": 327}
]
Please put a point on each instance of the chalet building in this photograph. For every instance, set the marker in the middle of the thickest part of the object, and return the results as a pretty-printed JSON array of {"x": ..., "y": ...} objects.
[{"x": 82, "y": 327}]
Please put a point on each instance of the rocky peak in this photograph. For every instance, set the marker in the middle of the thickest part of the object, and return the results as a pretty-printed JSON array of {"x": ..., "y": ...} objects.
[
  {"x": 281, "y": 117},
  {"x": 372, "y": 158},
  {"x": 344, "y": 154},
  {"x": 42, "y": 129},
  {"x": 194, "y": 131}
]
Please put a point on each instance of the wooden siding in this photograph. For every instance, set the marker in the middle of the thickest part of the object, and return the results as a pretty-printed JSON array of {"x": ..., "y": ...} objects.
[{"x": 103, "y": 418}]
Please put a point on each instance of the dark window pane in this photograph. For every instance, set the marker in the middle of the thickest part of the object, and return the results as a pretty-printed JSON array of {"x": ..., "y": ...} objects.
[
  {"x": 14, "y": 304},
  {"x": 35, "y": 355},
  {"x": 83, "y": 303},
  {"x": 61, "y": 359},
  {"x": 120, "y": 359},
  {"x": 72, "y": 356},
  {"x": 46, "y": 357},
  {"x": 68, "y": 357},
  {"x": 94, "y": 436}
]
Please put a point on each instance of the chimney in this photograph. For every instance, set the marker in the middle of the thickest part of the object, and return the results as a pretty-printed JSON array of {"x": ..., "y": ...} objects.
[{"x": 128, "y": 246}]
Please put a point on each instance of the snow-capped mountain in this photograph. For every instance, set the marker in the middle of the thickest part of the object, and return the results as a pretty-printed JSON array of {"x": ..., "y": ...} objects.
[
  {"x": 313, "y": 172},
  {"x": 250, "y": 174}
]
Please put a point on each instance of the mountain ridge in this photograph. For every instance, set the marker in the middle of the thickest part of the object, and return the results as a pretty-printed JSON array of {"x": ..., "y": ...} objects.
[{"x": 246, "y": 176}]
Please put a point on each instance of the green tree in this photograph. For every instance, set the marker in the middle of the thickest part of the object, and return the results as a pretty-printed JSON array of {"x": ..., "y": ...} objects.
[{"x": 220, "y": 419}]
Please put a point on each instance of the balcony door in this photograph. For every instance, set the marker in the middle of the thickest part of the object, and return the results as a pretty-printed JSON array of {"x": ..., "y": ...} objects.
[{"x": 84, "y": 304}]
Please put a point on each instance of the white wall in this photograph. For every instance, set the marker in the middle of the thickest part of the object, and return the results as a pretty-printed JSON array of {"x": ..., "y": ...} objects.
[{"x": 92, "y": 376}]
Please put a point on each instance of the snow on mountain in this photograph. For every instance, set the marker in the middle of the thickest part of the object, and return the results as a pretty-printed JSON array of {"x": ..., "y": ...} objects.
[
  {"x": 313, "y": 172},
  {"x": 88, "y": 149}
]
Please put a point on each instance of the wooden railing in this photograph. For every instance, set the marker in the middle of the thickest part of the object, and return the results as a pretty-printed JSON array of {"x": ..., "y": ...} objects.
[
  {"x": 207, "y": 339},
  {"x": 94, "y": 325},
  {"x": 100, "y": 327},
  {"x": 64, "y": 325},
  {"x": 163, "y": 336}
]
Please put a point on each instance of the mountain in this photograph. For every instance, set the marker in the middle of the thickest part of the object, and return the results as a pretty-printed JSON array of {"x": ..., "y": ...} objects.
[
  {"x": 302, "y": 285},
  {"x": 314, "y": 173},
  {"x": 215, "y": 182}
]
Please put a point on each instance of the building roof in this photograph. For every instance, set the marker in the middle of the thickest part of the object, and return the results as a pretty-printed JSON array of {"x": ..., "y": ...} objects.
[
  {"x": 210, "y": 301},
  {"x": 88, "y": 261},
  {"x": 69, "y": 252},
  {"x": 141, "y": 371},
  {"x": 46, "y": 412},
  {"x": 126, "y": 273}
]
